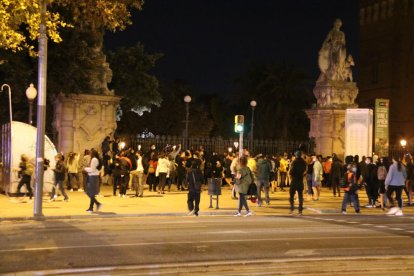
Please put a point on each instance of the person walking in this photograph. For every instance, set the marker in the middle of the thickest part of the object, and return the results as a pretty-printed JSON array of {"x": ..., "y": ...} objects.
[
  {"x": 194, "y": 179},
  {"x": 371, "y": 181},
  {"x": 336, "y": 175},
  {"x": 381, "y": 175},
  {"x": 244, "y": 178},
  {"x": 73, "y": 167},
  {"x": 25, "y": 173},
  {"x": 59, "y": 171},
  {"x": 350, "y": 189},
  {"x": 162, "y": 172},
  {"x": 138, "y": 176},
  {"x": 394, "y": 182},
  {"x": 316, "y": 177},
  {"x": 86, "y": 160},
  {"x": 92, "y": 186},
  {"x": 297, "y": 172},
  {"x": 264, "y": 169}
]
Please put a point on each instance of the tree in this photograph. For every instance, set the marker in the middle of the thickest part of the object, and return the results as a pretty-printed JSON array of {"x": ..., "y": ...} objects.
[
  {"x": 20, "y": 19},
  {"x": 130, "y": 66},
  {"x": 282, "y": 94}
]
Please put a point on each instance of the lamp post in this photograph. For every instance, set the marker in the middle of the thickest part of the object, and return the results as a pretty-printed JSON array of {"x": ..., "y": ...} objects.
[
  {"x": 10, "y": 104},
  {"x": 253, "y": 104},
  {"x": 403, "y": 143},
  {"x": 187, "y": 100},
  {"x": 7, "y": 170},
  {"x": 31, "y": 94},
  {"x": 41, "y": 112}
]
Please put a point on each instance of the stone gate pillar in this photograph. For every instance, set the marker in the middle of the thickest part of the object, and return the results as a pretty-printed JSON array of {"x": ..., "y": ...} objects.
[
  {"x": 81, "y": 121},
  {"x": 327, "y": 117}
]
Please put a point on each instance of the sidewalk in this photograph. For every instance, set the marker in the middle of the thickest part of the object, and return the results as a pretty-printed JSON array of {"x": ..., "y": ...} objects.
[{"x": 170, "y": 204}]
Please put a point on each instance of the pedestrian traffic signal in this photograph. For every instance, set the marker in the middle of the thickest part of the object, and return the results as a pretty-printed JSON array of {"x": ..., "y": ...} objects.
[{"x": 239, "y": 123}]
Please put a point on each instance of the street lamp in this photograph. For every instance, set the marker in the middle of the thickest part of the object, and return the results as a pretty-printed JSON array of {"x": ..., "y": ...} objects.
[
  {"x": 236, "y": 145},
  {"x": 31, "y": 94},
  {"x": 187, "y": 100},
  {"x": 10, "y": 104},
  {"x": 253, "y": 104},
  {"x": 403, "y": 143}
]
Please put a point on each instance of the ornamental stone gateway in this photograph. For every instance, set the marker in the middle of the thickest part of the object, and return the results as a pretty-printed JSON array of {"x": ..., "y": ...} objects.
[
  {"x": 334, "y": 91},
  {"x": 81, "y": 121}
]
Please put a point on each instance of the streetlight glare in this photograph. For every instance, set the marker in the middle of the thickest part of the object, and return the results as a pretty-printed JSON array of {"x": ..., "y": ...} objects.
[
  {"x": 253, "y": 103},
  {"x": 403, "y": 142},
  {"x": 31, "y": 92},
  {"x": 187, "y": 99}
]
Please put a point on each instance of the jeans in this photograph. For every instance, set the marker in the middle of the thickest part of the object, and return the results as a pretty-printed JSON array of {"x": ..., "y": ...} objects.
[
  {"x": 163, "y": 181},
  {"x": 398, "y": 193},
  {"x": 354, "y": 198},
  {"x": 70, "y": 180},
  {"x": 294, "y": 187},
  {"x": 25, "y": 181},
  {"x": 283, "y": 176},
  {"x": 243, "y": 202},
  {"x": 193, "y": 201},
  {"x": 265, "y": 184},
  {"x": 59, "y": 183},
  {"x": 335, "y": 186},
  {"x": 124, "y": 184},
  {"x": 138, "y": 182}
]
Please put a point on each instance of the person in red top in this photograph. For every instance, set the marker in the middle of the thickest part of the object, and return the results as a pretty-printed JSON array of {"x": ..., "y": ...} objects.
[{"x": 152, "y": 168}]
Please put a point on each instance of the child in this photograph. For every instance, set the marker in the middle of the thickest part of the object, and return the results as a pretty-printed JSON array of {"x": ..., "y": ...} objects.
[
  {"x": 350, "y": 189},
  {"x": 194, "y": 179}
]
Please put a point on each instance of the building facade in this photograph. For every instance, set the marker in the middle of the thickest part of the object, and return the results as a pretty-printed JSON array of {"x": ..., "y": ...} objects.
[{"x": 386, "y": 65}]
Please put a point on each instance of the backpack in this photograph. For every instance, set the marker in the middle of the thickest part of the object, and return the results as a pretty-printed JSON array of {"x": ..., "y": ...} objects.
[{"x": 100, "y": 164}]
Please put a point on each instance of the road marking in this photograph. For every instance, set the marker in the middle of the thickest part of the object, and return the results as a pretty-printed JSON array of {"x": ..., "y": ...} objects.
[
  {"x": 300, "y": 252},
  {"x": 410, "y": 231},
  {"x": 227, "y": 232},
  {"x": 198, "y": 242},
  {"x": 352, "y": 222},
  {"x": 367, "y": 224},
  {"x": 397, "y": 229},
  {"x": 381, "y": 226}
]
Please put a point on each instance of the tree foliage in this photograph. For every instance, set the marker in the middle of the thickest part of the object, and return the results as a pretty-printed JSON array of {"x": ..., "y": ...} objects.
[
  {"x": 282, "y": 93},
  {"x": 131, "y": 78},
  {"x": 20, "y": 19}
]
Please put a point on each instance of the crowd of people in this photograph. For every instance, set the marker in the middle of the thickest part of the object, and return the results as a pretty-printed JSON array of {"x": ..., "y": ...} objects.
[{"x": 188, "y": 170}]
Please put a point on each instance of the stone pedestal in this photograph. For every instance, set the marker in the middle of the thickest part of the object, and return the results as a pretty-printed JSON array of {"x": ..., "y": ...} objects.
[
  {"x": 82, "y": 121},
  {"x": 327, "y": 117}
]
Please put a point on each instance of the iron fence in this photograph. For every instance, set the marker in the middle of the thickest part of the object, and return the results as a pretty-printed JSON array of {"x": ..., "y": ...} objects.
[{"x": 218, "y": 144}]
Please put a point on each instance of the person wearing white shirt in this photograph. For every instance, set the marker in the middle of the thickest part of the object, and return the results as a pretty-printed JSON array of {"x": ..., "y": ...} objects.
[
  {"x": 162, "y": 171},
  {"x": 138, "y": 176},
  {"x": 92, "y": 186}
]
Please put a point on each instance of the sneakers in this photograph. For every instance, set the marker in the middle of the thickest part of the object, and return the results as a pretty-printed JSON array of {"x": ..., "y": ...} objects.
[
  {"x": 66, "y": 200},
  {"x": 343, "y": 212},
  {"x": 368, "y": 206},
  {"x": 393, "y": 211},
  {"x": 80, "y": 190},
  {"x": 248, "y": 214},
  {"x": 191, "y": 213},
  {"x": 399, "y": 213},
  {"x": 51, "y": 199},
  {"x": 89, "y": 210},
  {"x": 237, "y": 214}
]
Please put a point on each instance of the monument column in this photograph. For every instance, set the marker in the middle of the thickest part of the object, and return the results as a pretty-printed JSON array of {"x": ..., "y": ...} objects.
[{"x": 334, "y": 91}]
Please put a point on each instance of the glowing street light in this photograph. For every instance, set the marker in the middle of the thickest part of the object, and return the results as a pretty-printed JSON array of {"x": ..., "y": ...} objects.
[
  {"x": 31, "y": 94},
  {"x": 187, "y": 100}
]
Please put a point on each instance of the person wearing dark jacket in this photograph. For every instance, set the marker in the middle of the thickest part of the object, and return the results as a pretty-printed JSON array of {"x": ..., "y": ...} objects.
[
  {"x": 194, "y": 179},
  {"x": 59, "y": 171},
  {"x": 371, "y": 181},
  {"x": 297, "y": 172},
  {"x": 336, "y": 175},
  {"x": 263, "y": 170}
]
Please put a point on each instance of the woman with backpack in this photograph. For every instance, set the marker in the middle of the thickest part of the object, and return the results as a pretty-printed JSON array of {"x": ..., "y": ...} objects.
[{"x": 244, "y": 179}]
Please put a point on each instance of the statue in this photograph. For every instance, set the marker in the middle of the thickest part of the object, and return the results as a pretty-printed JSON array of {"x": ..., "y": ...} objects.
[{"x": 333, "y": 61}]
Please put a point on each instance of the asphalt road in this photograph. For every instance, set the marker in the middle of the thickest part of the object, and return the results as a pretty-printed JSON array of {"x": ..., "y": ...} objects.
[{"x": 225, "y": 245}]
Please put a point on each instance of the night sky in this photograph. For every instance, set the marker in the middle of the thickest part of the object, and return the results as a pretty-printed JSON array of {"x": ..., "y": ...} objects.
[{"x": 210, "y": 42}]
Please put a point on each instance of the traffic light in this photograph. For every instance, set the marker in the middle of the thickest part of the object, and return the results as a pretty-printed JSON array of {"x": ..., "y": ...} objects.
[{"x": 239, "y": 123}]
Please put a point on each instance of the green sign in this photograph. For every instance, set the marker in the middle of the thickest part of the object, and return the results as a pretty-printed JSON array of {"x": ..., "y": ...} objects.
[{"x": 381, "y": 127}]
